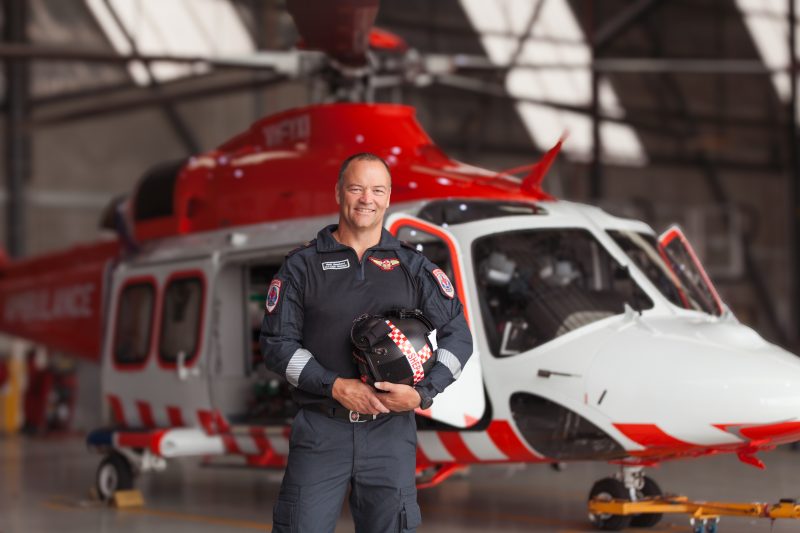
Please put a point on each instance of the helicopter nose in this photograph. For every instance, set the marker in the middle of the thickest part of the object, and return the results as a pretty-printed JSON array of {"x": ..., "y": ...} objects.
[{"x": 712, "y": 387}]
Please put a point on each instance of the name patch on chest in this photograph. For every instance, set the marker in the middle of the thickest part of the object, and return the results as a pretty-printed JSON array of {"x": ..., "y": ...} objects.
[
  {"x": 385, "y": 264},
  {"x": 336, "y": 265}
]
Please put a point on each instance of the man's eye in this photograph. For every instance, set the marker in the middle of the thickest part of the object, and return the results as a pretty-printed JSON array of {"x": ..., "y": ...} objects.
[{"x": 379, "y": 192}]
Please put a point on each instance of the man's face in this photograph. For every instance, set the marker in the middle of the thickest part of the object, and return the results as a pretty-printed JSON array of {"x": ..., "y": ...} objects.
[{"x": 363, "y": 195}]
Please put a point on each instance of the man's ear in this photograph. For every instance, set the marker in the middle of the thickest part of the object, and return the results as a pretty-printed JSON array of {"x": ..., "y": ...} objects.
[{"x": 336, "y": 194}]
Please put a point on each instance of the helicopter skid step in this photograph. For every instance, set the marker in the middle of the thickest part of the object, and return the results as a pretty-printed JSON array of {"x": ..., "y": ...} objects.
[{"x": 262, "y": 446}]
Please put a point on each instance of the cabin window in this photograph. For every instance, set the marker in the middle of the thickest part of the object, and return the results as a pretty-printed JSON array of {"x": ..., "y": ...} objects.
[
  {"x": 536, "y": 285},
  {"x": 134, "y": 323},
  {"x": 432, "y": 247},
  {"x": 180, "y": 319}
]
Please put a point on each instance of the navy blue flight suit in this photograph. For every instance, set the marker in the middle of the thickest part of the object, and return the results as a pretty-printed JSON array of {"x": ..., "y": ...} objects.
[{"x": 305, "y": 336}]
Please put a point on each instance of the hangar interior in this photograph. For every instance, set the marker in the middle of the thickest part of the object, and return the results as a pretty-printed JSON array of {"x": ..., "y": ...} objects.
[
  {"x": 695, "y": 116},
  {"x": 679, "y": 111}
]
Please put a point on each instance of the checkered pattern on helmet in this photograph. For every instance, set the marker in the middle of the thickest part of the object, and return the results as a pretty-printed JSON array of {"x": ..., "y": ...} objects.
[{"x": 415, "y": 359}]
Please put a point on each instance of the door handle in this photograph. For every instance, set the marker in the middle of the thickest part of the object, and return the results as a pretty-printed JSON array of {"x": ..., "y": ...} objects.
[
  {"x": 184, "y": 372},
  {"x": 542, "y": 373}
]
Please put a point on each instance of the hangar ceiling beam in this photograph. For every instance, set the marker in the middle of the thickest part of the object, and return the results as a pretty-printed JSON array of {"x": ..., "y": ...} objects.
[
  {"x": 645, "y": 119},
  {"x": 174, "y": 118},
  {"x": 17, "y": 50},
  {"x": 18, "y": 139},
  {"x": 605, "y": 34},
  {"x": 741, "y": 166},
  {"x": 599, "y": 38},
  {"x": 523, "y": 37},
  {"x": 142, "y": 100}
]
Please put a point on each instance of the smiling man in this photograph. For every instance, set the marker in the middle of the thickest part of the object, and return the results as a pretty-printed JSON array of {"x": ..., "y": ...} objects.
[{"x": 348, "y": 434}]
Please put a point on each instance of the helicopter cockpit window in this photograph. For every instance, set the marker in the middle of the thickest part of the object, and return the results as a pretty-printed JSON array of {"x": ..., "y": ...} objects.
[
  {"x": 682, "y": 288},
  {"x": 536, "y": 285},
  {"x": 432, "y": 247},
  {"x": 643, "y": 250},
  {"x": 180, "y": 319},
  {"x": 134, "y": 320},
  {"x": 698, "y": 288}
]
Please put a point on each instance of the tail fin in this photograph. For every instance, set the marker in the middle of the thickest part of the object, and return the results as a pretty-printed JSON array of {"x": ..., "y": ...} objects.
[{"x": 532, "y": 183}]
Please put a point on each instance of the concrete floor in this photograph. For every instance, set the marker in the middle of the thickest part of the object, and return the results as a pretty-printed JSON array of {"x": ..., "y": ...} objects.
[{"x": 44, "y": 487}]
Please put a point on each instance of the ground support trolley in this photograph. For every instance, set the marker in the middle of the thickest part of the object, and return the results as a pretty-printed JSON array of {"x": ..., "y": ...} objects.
[{"x": 705, "y": 516}]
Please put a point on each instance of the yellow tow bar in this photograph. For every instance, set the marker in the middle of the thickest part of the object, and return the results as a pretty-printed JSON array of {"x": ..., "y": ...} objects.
[{"x": 704, "y": 515}]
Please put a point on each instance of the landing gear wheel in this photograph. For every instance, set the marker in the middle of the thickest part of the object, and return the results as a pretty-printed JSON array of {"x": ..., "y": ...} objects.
[
  {"x": 114, "y": 473},
  {"x": 609, "y": 489},
  {"x": 650, "y": 489}
]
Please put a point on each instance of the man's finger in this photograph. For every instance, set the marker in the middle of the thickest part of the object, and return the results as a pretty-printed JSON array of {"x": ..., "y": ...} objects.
[
  {"x": 387, "y": 386},
  {"x": 377, "y": 404}
]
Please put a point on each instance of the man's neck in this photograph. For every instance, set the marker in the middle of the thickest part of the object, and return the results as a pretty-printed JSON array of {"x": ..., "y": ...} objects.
[{"x": 359, "y": 241}]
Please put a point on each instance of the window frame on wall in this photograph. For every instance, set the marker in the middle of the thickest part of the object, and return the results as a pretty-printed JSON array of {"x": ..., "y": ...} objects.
[
  {"x": 191, "y": 358},
  {"x": 131, "y": 283}
]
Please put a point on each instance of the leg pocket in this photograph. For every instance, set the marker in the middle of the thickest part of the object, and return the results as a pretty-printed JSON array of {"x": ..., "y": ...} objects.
[
  {"x": 284, "y": 514},
  {"x": 410, "y": 514}
]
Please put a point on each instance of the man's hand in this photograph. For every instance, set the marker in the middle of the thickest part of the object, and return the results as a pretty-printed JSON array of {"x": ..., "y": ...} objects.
[
  {"x": 398, "y": 397},
  {"x": 357, "y": 396}
]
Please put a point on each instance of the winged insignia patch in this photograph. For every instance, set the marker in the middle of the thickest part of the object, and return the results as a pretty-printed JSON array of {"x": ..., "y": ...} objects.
[{"x": 385, "y": 264}]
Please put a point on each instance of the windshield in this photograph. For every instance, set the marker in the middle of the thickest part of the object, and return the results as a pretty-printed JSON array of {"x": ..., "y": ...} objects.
[
  {"x": 536, "y": 285},
  {"x": 679, "y": 285}
]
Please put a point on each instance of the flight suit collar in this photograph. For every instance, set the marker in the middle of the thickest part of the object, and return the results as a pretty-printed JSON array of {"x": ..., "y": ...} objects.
[{"x": 327, "y": 243}]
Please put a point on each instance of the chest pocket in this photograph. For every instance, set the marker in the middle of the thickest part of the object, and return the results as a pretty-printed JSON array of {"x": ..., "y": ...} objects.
[
  {"x": 377, "y": 284},
  {"x": 390, "y": 282}
]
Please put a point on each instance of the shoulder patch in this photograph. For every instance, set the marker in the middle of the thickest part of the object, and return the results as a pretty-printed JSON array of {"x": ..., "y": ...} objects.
[
  {"x": 410, "y": 246},
  {"x": 444, "y": 283},
  {"x": 273, "y": 295},
  {"x": 302, "y": 247}
]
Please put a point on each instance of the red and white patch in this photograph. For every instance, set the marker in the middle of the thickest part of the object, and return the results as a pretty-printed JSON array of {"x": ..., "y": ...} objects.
[
  {"x": 385, "y": 264},
  {"x": 273, "y": 295},
  {"x": 444, "y": 283},
  {"x": 415, "y": 359}
]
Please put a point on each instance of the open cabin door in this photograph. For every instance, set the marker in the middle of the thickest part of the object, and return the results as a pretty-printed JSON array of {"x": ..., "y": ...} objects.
[
  {"x": 463, "y": 403},
  {"x": 683, "y": 261},
  {"x": 242, "y": 389}
]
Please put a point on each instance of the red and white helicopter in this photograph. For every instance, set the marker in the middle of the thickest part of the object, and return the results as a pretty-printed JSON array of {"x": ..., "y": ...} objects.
[{"x": 584, "y": 323}]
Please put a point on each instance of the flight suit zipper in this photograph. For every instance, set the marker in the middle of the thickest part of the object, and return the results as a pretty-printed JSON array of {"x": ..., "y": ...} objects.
[{"x": 361, "y": 264}]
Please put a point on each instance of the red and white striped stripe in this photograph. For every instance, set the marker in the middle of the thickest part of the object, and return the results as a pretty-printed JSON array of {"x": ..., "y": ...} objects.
[
  {"x": 498, "y": 443},
  {"x": 415, "y": 359},
  {"x": 211, "y": 435}
]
